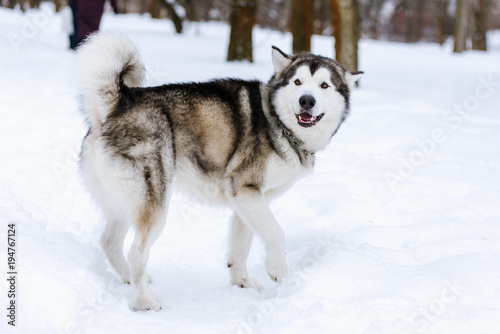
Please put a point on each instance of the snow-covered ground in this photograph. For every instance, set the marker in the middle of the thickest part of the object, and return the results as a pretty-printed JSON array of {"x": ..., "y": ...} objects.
[{"x": 397, "y": 231}]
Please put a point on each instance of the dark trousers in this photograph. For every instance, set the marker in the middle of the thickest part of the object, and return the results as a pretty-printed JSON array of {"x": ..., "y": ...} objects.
[{"x": 74, "y": 40}]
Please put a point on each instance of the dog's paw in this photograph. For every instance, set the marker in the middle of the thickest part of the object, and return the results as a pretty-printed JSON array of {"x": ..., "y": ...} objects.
[
  {"x": 146, "y": 302},
  {"x": 247, "y": 283},
  {"x": 276, "y": 266}
]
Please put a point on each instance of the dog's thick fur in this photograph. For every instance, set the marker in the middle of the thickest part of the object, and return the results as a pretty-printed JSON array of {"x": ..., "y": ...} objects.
[{"x": 232, "y": 142}]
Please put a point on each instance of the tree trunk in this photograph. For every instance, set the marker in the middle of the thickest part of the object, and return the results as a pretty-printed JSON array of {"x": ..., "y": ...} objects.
[
  {"x": 123, "y": 6},
  {"x": 346, "y": 32},
  {"x": 461, "y": 24},
  {"x": 21, "y": 3},
  {"x": 143, "y": 6},
  {"x": 190, "y": 10},
  {"x": 372, "y": 11},
  {"x": 58, "y": 5},
  {"x": 242, "y": 22},
  {"x": 302, "y": 25},
  {"x": 442, "y": 20},
  {"x": 480, "y": 10},
  {"x": 418, "y": 16},
  {"x": 34, "y": 3},
  {"x": 409, "y": 20},
  {"x": 176, "y": 19},
  {"x": 321, "y": 15},
  {"x": 154, "y": 8}
]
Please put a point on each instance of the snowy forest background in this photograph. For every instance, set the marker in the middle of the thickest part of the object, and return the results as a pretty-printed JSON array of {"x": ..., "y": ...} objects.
[{"x": 467, "y": 21}]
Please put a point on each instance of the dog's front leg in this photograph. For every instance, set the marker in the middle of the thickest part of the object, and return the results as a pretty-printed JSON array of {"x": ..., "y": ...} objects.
[{"x": 252, "y": 208}]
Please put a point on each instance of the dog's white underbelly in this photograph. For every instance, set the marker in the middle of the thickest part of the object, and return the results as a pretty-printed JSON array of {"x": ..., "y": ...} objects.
[
  {"x": 279, "y": 176},
  {"x": 192, "y": 182}
]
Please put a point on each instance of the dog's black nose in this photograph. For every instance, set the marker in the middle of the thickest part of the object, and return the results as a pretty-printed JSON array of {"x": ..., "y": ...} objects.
[{"x": 307, "y": 101}]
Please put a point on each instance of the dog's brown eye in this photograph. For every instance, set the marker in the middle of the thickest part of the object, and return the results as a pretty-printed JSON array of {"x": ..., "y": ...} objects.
[
  {"x": 297, "y": 82},
  {"x": 324, "y": 85}
]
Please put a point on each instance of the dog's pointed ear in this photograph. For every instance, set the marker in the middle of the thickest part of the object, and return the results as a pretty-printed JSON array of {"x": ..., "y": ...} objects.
[
  {"x": 280, "y": 60},
  {"x": 352, "y": 77}
]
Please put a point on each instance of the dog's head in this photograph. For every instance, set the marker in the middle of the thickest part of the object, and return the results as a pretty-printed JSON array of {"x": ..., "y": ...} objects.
[{"x": 310, "y": 94}]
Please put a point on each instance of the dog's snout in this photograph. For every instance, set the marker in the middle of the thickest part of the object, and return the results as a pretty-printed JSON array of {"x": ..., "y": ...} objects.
[{"x": 307, "y": 101}]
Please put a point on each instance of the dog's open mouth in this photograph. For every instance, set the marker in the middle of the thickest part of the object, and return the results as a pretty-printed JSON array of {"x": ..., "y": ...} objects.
[{"x": 307, "y": 120}]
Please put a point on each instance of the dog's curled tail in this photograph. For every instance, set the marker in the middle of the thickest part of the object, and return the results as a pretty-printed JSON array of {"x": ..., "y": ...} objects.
[{"x": 105, "y": 63}]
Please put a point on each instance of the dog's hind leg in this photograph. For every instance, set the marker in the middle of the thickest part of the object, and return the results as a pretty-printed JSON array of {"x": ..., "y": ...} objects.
[
  {"x": 240, "y": 242},
  {"x": 150, "y": 221},
  {"x": 111, "y": 242},
  {"x": 104, "y": 185}
]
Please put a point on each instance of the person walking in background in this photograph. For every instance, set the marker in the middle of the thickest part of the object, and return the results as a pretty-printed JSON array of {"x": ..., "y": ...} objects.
[{"x": 86, "y": 18}]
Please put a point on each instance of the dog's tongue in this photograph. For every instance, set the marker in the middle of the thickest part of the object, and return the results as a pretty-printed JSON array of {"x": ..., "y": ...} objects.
[{"x": 306, "y": 116}]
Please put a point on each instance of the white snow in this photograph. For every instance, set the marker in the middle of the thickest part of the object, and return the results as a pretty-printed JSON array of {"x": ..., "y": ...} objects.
[{"x": 397, "y": 231}]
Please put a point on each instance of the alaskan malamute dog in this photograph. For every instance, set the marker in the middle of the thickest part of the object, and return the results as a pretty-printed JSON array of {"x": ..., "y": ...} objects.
[{"x": 232, "y": 142}]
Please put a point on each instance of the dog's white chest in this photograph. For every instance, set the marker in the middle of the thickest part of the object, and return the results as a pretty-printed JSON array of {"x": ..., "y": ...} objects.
[{"x": 281, "y": 174}]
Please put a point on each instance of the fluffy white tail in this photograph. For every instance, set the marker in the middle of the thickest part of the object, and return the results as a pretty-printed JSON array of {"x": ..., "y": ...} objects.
[{"x": 106, "y": 62}]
